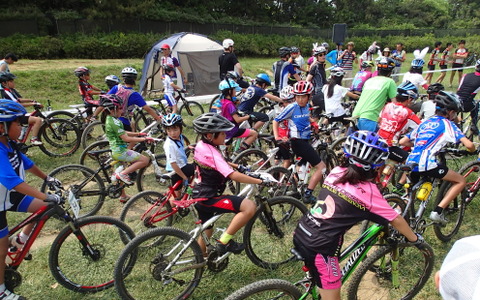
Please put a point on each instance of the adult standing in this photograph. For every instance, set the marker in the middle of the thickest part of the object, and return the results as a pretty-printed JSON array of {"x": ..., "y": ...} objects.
[
  {"x": 433, "y": 61},
  {"x": 468, "y": 89},
  {"x": 399, "y": 56},
  {"x": 168, "y": 60},
  {"x": 348, "y": 57},
  {"x": 9, "y": 59},
  {"x": 317, "y": 76},
  {"x": 333, "y": 56},
  {"x": 282, "y": 69},
  {"x": 459, "y": 58},
  {"x": 445, "y": 60},
  {"x": 228, "y": 62}
]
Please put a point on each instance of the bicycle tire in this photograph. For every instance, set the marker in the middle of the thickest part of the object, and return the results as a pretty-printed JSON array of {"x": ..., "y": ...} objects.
[
  {"x": 264, "y": 246},
  {"x": 134, "y": 212},
  {"x": 287, "y": 183},
  {"x": 63, "y": 114},
  {"x": 89, "y": 160},
  {"x": 471, "y": 172},
  {"x": 142, "y": 120},
  {"x": 337, "y": 148},
  {"x": 60, "y": 138},
  {"x": 77, "y": 271},
  {"x": 189, "y": 111},
  {"x": 147, "y": 278},
  {"x": 94, "y": 132},
  {"x": 372, "y": 279},
  {"x": 267, "y": 289},
  {"x": 146, "y": 177},
  {"x": 250, "y": 158},
  {"x": 213, "y": 101},
  {"x": 330, "y": 159},
  {"x": 91, "y": 196}
]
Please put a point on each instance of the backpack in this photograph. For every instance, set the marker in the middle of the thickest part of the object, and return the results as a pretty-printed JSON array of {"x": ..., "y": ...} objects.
[{"x": 124, "y": 94}]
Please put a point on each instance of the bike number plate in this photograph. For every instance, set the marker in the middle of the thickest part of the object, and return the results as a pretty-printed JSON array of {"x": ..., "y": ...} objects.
[{"x": 73, "y": 203}]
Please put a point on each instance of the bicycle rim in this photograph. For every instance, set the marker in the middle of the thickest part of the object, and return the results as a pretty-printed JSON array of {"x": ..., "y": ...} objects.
[{"x": 189, "y": 111}]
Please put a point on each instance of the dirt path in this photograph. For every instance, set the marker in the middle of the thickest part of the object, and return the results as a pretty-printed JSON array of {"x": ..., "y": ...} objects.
[{"x": 27, "y": 64}]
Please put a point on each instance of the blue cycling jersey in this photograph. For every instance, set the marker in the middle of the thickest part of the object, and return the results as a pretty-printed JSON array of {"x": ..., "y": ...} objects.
[{"x": 298, "y": 120}]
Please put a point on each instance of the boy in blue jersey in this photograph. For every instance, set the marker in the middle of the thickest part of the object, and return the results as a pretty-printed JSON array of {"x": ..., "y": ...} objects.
[
  {"x": 429, "y": 138},
  {"x": 15, "y": 193},
  {"x": 298, "y": 116}
]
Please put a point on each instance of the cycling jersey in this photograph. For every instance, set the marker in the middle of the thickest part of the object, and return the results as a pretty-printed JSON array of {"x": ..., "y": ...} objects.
[
  {"x": 360, "y": 79},
  {"x": 250, "y": 98},
  {"x": 172, "y": 61},
  {"x": 13, "y": 164},
  {"x": 319, "y": 77},
  {"x": 460, "y": 51},
  {"x": 376, "y": 91},
  {"x": 85, "y": 88},
  {"x": 434, "y": 55},
  {"x": 113, "y": 130},
  {"x": 395, "y": 120},
  {"x": 298, "y": 120},
  {"x": 227, "y": 62},
  {"x": 167, "y": 85},
  {"x": 333, "y": 105},
  {"x": 175, "y": 152},
  {"x": 445, "y": 56},
  {"x": 10, "y": 94},
  {"x": 3, "y": 62},
  {"x": 338, "y": 208},
  {"x": 469, "y": 85},
  {"x": 134, "y": 99},
  {"x": 282, "y": 70},
  {"x": 428, "y": 138},
  {"x": 415, "y": 78},
  {"x": 213, "y": 171}
]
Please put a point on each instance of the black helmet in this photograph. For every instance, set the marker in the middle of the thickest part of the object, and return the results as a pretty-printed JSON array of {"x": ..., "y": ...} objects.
[
  {"x": 386, "y": 63},
  {"x": 211, "y": 123},
  {"x": 448, "y": 101},
  {"x": 284, "y": 51},
  {"x": 6, "y": 76},
  {"x": 80, "y": 71},
  {"x": 168, "y": 68},
  {"x": 435, "y": 88}
]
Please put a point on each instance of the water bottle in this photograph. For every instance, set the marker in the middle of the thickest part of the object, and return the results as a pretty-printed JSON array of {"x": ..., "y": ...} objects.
[
  {"x": 388, "y": 168},
  {"x": 302, "y": 172},
  {"x": 424, "y": 191},
  {"x": 22, "y": 134}
]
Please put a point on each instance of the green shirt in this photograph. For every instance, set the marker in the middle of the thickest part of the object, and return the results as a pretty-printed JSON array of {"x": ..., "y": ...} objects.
[
  {"x": 113, "y": 130},
  {"x": 375, "y": 93}
]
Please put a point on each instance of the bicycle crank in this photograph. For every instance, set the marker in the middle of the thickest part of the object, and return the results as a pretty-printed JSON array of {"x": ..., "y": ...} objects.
[
  {"x": 216, "y": 263},
  {"x": 13, "y": 279}
]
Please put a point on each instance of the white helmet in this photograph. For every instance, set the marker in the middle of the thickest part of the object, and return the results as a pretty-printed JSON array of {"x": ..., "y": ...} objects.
[
  {"x": 129, "y": 72},
  {"x": 227, "y": 43}
]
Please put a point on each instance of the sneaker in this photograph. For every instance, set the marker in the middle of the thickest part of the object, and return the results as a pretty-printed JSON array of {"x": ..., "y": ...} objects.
[
  {"x": 123, "y": 177},
  {"x": 309, "y": 199},
  {"x": 7, "y": 295},
  {"x": 438, "y": 218},
  {"x": 231, "y": 246},
  {"x": 35, "y": 142},
  {"x": 15, "y": 241}
]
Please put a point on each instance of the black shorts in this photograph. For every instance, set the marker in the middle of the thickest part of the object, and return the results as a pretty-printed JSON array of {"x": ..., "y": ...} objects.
[
  {"x": 431, "y": 67},
  {"x": 258, "y": 116},
  {"x": 24, "y": 120},
  {"x": 439, "y": 172},
  {"x": 468, "y": 104},
  {"x": 188, "y": 170},
  {"x": 455, "y": 65},
  {"x": 443, "y": 67},
  {"x": 304, "y": 149},
  {"x": 20, "y": 203},
  {"x": 218, "y": 205},
  {"x": 284, "y": 151}
]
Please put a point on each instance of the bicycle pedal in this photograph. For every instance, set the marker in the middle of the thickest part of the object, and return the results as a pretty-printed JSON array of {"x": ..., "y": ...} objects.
[{"x": 28, "y": 257}]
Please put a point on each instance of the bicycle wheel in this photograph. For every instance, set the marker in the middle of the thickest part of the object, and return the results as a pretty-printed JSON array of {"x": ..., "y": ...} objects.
[
  {"x": 189, "y": 111},
  {"x": 69, "y": 262},
  {"x": 337, "y": 148},
  {"x": 287, "y": 183},
  {"x": 63, "y": 114},
  {"x": 138, "y": 211},
  {"x": 253, "y": 159},
  {"x": 59, "y": 138},
  {"x": 89, "y": 160},
  {"x": 268, "y": 235},
  {"x": 171, "y": 269},
  {"x": 87, "y": 187},
  {"x": 147, "y": 178},
  {"x": 267, "y": 289},
  {"x": 373, "y": 278},
  {"x": 471, "y": 173},
  {"x": 330, "y": 159},
  {"x": 94, "y": 132},
  {"x": 213, "y": 101}
]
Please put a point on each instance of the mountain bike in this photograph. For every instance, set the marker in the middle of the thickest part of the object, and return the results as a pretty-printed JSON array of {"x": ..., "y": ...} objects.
[
  {"x": 81, "y": 117},
  {"x": 394, "y": 270},
  {"x": 82, "y": 255},
  {"x": 471, "y": 59}
]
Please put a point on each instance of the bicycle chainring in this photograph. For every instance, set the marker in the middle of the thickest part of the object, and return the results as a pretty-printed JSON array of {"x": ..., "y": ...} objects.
[
  {"x": 157, "y": 267},
  {"x": 421, "y": 226},
  {"x": 114, "y": 190},
  {"x": 13, "y": 279},
  {"x": 215, "y": 266}
]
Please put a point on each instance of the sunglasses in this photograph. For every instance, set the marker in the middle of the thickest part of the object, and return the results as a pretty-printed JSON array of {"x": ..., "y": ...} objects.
[{"x": 321, "y": 54}]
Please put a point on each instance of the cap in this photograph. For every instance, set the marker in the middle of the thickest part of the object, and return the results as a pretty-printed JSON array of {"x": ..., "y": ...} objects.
[
  {"x": 165, "y": 46},
  {"x": 460, "y": 271}
]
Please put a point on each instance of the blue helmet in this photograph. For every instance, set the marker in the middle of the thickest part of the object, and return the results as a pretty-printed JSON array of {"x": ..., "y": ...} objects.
[
  {"x": 263, "y": 78},
  {"x": 408, "y": 89},
  {"x": 10, "y": 110},
  {"x": 227, "y": 84},
  {"x": 366, "y": 148},
  {"x": 418, "y": 63},
  {"x": 171, "y": 120}
]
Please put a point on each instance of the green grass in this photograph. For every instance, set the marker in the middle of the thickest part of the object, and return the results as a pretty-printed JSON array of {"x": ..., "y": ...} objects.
[{"x": 54, "y": 80}]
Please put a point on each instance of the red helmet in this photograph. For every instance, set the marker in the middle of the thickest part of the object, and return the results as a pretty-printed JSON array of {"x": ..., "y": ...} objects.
[{"x": 302, "y": 88}]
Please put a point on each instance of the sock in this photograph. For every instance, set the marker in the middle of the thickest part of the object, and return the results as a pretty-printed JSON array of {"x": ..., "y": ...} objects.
[
  {"x": 244, "y": 146},
  {"x": 439, "y": 210},
  {"x": 22, "y": 237},
  {"x": 2, "y": 288},
  {"x": 225, "y": 238}
]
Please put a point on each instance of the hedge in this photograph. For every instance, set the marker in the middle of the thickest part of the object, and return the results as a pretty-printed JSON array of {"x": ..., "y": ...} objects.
[{"x": 135, "y": 45}]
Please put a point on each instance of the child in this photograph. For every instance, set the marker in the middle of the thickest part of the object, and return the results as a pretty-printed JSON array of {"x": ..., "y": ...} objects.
[
  {"x": 118, "y": 139},
  {"x": 212, "y": 177},
  {"x": 111, "y": 81},
  {"x": 17, "y": 195},
  {"x": 433, "y": 61},
  {"x": 347, "y": 197},
  {"x": 444, "y": 61},
  {"x": 362, "y": 76},
  {"x": 427, "y": 139},
  {"x": 287, "y": 96},
  {"x": 427, "y": 109},
  {"x": 458, "y": 59},
  {"x": 414, "y": 75},
  {"x": 298, "y": 116},
  {"x": 87, "y": 91},
  {"x": 169, "y": 86},
  {"x": 174, "y": 148}
]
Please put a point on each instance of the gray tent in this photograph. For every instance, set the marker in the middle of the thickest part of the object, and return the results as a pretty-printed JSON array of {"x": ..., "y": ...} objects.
[{"x": 198, "y": 57}]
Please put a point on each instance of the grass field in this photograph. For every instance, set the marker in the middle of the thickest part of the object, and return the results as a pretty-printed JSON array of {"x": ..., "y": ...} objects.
[{"x": 54, "y": 80}]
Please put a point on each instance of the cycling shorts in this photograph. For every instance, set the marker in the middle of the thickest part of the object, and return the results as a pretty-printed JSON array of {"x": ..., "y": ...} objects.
[
  {"x": 128, "y": 156},
  {"x": 24, "y": 120},
  {"x": 242, "y": 132},
  {"x": 303, "y": 149},
  {"x": 170, "y": 100},
  {"x": 397, "y": 154},
  {"x": 218, "y": 205},
  {"x": 20, "y": 203},
  {"x": 455, "y": 65},
  {"x": 443, "y": 67},
  {"x": 188, "y": 170},
  {"x": 259, "y": 116},
  {"x": 439, "y": 172},
  {"x": 468, "y": 104},
  {"x": 431, "y": 67},
  {"x": 283, "y": 151}
]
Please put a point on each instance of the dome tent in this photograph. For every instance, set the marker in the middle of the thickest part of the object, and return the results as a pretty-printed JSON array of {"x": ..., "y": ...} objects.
[{"x": 198, "y": 57}]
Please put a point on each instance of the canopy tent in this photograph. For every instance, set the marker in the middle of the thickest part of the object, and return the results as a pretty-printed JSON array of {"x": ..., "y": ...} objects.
[{"x": 198, "y": 57}]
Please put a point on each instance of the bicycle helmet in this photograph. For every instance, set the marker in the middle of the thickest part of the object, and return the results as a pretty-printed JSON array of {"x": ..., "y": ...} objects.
[
  {"x": 366, "y": 148},
  {"x": 367, "y": 64},
  {"x": 435, "y": 88},
  {"x": 212, "y": 123},
  {"x": 319, "y": 50},
  {"x": 294, "y": 49},
  {"x": 286, "y": 94},
  {"x": 227, "y": 84},
  {"x": 448, "y": 101},
  {"x": 80, "y": 71},
  {"x": 407, "y": 89},
  {"x": 168, "y": 68},
  {"x": 232, "y": 75},
  {"x": 302, "y": 88},
  {"x": 477, "y": 65},
  {"x": 111, "y": 101},
  {"x": 418, "y": 63},
  {"x": 6, "y": 76},
  {"x": 129, "y": 72},
  {"x": 337, "y": 72},
  {"x": 227, "y": 43},
  {"x": 171, "y": 120},
  {"x": 112, "y": 80},
  {"x": 284, "y": 51},
  {"x": 386, "y": 63},
  {"x": 325, "y": 45},
  {"x": 10, "y": 110},
  {"x": 263, "y": 78}
]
